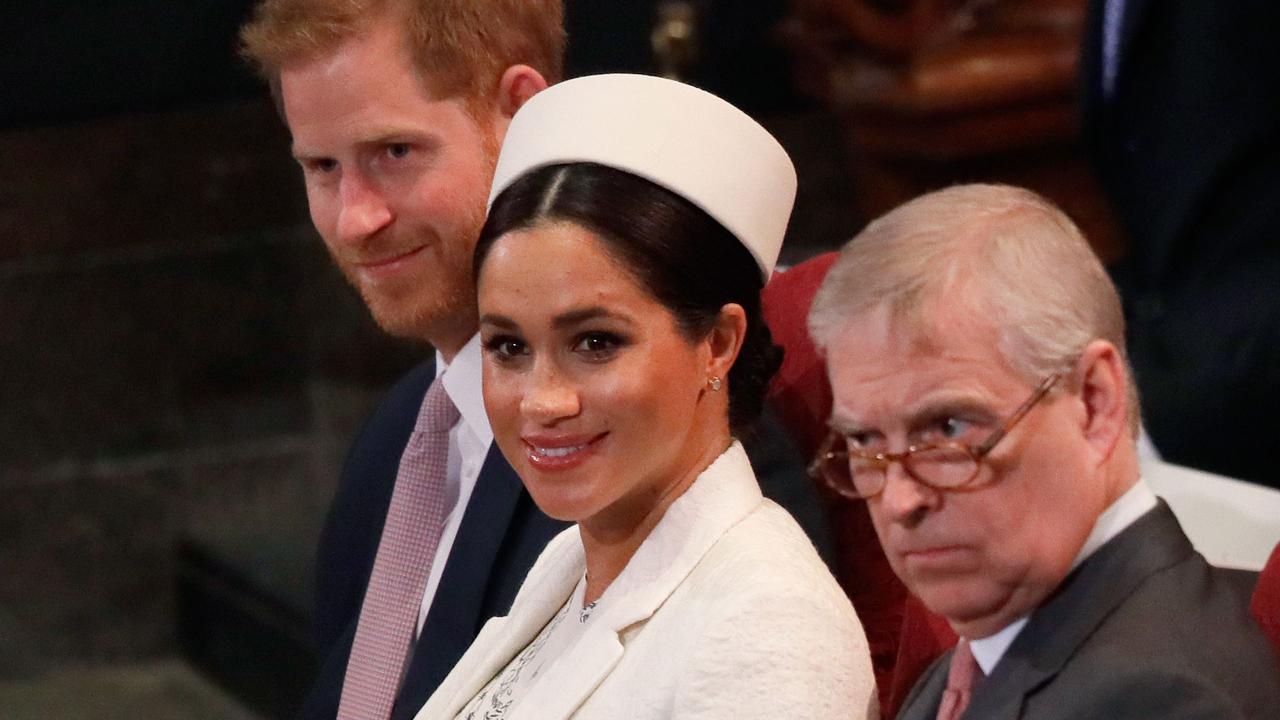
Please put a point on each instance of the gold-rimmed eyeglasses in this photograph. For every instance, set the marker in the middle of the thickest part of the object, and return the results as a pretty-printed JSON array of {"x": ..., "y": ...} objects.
[{"x": 860, "y": 474}]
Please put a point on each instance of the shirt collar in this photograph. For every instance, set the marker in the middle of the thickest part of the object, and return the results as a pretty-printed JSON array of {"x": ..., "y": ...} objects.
[
  {"x": 461, "y": 380},
  {"x": 988, "y": 650},
  {"x": 1122, "y": 513}
]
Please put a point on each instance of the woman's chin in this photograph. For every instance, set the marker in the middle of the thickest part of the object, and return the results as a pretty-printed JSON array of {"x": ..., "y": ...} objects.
[{"x": 560, "y": 503}]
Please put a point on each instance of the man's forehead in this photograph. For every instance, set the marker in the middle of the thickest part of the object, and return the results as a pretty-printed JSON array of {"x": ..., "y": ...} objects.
[
  {"x": 877, "y": 345},
  {"x": 879, "y": 372},
  {"x": 910, "y": 397}
]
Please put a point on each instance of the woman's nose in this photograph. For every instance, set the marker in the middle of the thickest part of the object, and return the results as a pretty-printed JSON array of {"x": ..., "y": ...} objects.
[{"x": 549, "y": 397}]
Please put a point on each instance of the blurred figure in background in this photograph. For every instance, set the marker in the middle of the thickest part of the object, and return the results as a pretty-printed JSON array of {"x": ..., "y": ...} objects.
[{"x": 1181, "y": 111}]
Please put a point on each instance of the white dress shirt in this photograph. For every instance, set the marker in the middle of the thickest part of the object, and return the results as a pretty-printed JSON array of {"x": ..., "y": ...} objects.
[
  {"x": 1125, "y": 511},
  {"x": 469, "y": 443}
]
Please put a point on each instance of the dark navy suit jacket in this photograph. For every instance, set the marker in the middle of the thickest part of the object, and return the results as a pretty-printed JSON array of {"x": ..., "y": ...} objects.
[{"x": 502, "y": 533}]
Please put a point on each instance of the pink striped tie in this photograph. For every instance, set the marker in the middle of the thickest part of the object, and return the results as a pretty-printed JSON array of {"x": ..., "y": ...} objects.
[
  {"x": 410, "y": 536},
  {"x": 961, "y": 679}
]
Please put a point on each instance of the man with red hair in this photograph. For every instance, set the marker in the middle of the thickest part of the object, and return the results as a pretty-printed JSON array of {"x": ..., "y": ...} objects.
[{"x": 397, "y": 109}]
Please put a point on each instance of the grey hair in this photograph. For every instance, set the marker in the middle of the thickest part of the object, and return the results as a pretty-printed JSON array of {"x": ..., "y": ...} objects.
[{"x": 1003, "y": 253}]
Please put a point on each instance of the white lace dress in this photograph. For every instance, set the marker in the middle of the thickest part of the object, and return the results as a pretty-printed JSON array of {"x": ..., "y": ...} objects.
[{"x": 556, "y": 640}]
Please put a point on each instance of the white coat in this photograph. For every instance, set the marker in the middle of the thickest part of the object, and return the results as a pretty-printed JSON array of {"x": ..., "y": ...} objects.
[{"x": 725, "y": 611}]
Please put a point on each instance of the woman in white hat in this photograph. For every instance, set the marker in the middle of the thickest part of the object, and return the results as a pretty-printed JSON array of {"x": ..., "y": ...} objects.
[{"x": 632, "y": 225}]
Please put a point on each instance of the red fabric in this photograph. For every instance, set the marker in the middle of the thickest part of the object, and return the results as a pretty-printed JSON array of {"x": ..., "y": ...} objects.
[
  {"x": 923, "y": 639},
  {"x": 904, "y": 637},
  {"x": 1266, "y": 599},
  {"x": 799, "y": 394}
]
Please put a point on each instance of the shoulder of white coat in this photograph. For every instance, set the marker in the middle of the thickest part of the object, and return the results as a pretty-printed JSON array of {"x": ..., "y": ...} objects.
[
  {"x": 767, "y": 558},
  {"x": 775, "y": 635},
  {"x": 769, "y": 533}
]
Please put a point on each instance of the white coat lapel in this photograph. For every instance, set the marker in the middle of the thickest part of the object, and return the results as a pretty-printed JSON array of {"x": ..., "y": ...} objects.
[
  {"x": 563, "y": 689},
  {"x": 722, "y": 496},
  {"x": 502, "y": 638}
]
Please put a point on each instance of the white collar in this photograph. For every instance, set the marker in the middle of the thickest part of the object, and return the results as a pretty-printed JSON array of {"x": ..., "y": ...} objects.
[
  {"x": 1122, "y": 513},
  {"x": 462, "y": 381},
  {"x": 988, "y": 650},
  {"x": 1125, "y": 511}
]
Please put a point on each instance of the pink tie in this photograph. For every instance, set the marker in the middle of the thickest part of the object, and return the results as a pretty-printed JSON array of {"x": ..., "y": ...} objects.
[
  {"x": 400, "y": 569},
  {"x": 961, "y": 678}
]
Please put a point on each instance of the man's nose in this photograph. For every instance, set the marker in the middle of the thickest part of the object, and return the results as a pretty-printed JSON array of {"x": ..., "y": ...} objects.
[
  {"x": 363, "y": 210},
  {"x": 905, "y": 499},
  {"x": 549, "y": 396}
]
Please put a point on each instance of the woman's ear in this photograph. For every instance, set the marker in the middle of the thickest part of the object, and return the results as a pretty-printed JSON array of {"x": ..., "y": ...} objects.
[
  {"x": 725, "y": 340},
  {"x": 1104, "y": 396}
]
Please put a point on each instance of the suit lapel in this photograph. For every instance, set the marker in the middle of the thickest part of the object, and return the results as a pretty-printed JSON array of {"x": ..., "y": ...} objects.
[
  {"x": 502, "y": 638},
  {"x": 568, "y": 684},
  {"x": 1087, "y": 597},
  {"x": 926, "y": 695},
  {"x": 723, "y": 495}
]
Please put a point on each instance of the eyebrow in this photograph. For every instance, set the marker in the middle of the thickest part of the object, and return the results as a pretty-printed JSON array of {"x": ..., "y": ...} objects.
[
  {"x": 954, "y": 405},
  {"x": 500, "y": 321},
  {"x": 561, "y": 321},
  {"x": 381, "y": 136},
  {"x": 958, "y": 404},
  {"x": 577, "y": 317},
  {"x": 388, "y": 135},
  {"x": 300, "y": 154},
  {"x": 843, "y": 424}
]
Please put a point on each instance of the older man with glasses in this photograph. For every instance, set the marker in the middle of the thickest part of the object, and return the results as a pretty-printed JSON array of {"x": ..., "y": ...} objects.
[{"x": 984, "y": 410}]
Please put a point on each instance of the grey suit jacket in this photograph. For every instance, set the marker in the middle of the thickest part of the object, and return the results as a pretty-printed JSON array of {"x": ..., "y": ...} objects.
[{"x": 1144, "y": 628}]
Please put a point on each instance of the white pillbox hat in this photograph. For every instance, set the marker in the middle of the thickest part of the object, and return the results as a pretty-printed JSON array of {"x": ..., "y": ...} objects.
[{"x": 677, "y": 136}]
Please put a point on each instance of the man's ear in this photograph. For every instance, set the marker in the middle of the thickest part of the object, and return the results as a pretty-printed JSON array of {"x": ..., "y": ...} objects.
[
  {"x": 725, "y": 340},
  {"x": 1104, "y": 394},
  {"x": 518, "y": 84}
]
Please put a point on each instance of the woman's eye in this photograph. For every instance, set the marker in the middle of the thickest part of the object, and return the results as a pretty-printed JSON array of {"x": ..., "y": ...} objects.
[
  {"x": 597, "y": 344},
  {"x": 505, "y": 348}
]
